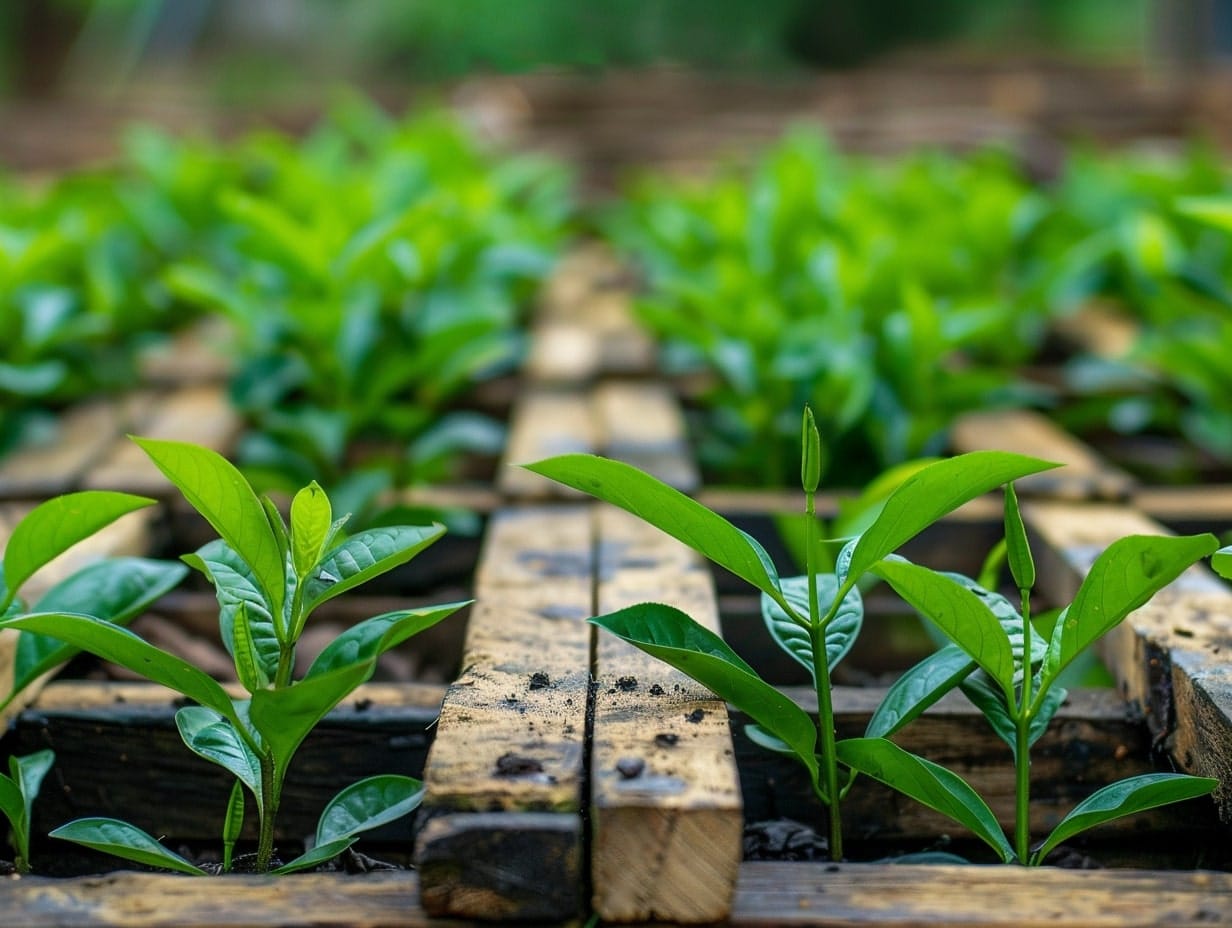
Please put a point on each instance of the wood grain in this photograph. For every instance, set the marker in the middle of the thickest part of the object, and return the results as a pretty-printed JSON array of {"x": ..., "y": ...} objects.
[
  {"x": 641, "y": 424},
  {"x": 511, "y": 739},
  {"x": 545, "y": 422},
  {"x": 665, "y": 794}
]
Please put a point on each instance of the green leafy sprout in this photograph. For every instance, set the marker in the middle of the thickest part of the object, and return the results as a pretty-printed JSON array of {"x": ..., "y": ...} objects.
[
  {"x": 817, "y": 617},
  {"x": 17, "y": 794},
  {"x": 269, "y": 577}
]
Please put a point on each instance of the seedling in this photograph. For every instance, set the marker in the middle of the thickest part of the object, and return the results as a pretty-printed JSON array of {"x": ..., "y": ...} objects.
[
  {"x": 1011, "y": 676},
  {"x": 269, "y": 577},
  {"x": 815, "y": 618},
  {"x": 17, "y": 794}
]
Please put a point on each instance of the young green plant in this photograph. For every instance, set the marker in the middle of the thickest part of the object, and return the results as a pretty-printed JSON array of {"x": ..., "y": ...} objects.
[
  {"x": 815, "y": 618},
  {"x": 17, "y": 794},
  {"x": 1011, "y": 676},
  {"x": 269, "y": 577}
]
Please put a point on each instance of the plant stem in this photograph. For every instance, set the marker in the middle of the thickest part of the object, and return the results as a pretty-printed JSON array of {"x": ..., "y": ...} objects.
[
  {"x": 821, "y": 672},
  {"x": 1022, "y": 792},
  {"x": 270, "y": 792},
  {"x": 286, "y": 666}
]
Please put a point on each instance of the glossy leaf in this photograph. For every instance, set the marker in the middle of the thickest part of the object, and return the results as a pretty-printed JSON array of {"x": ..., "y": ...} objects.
[
  {"x": 1017, "y": 547},
  {"x": 667, "y": 509},
  {"x": 235, "y": 587},
  {"x": 368, "y": 804},
  {"x": 232, "y": 824},
  {"x": 668, "y": 634},
  {"x": 840, "y": 633},
  {"x": 763, "y": 739},
  {"x": 1123, "y": 578},
  {"x": 812, "y": 461},
  {"x": 927, "y": 783},
  {"x": 13, "y": 805},
  {"x": 283, "y": 717},
  {"x": 28, "y": 772},
  {"x": 52, "y": 527},
  {"x": 217, "y": 490},
  {"x": 918, "y": 688},
  {"x": 318, "y": 855},
  {"x": 930, "y": 493},
  {"x": 372, "y": 637},
  {"x": 248, "y": 664},
  {"x": 209, "y": 735},
  {"x": 115, "y": 589},
  {"x": 958, "y": 612},
  {"x": 311, "y": 520},
  {"x": 121, "y": 839},
  {"x": 1126, "y": 797},
  {"x": 366, "y": 555},
  {"x": 119, "y": 645},
  {"x": 1221, "y": 562}
]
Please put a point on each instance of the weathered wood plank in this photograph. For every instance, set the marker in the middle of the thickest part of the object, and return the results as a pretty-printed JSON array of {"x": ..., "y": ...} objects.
[
  {"x": 511, "y": 740},
  {"x": 665, "y": 794},
  {"x": 83, "y": 435},
  {"x": 1170, "y": 658},
  {"x": 1086, "y": 475},
  {"x": 1096, "y": 738},
  {"x": 118, "y": 753},
  {"x": 159, "y": 900},
  {"x": 545, "y": 422},
  {"x": 1201, "y": 508},
  {"x": 199, "y": 414},
  {"x": 1098, "y": 330},
  {"x": 769, "y": 895},
  {"x": 198, "y": 354},
  {"x": 641, "y": 424}
]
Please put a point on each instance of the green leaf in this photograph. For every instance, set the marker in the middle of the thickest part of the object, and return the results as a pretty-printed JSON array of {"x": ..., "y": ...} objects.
[
  {"x": 51, "y": 528},
  {"x": 368, "y": 804},
  {"x": 667, "y": 633},
  {"x": 667, "y": 509},
  {"x": 232, "y": 824},
  {"x": 119, "y": 645},
  {"x": 1221, "y": 562},
  {"x": 311, "y": 519},
  {"x": 317, "y": 856},
  {"x": 217, "y": 490},
  {"x": 1123, "y": 578},
  {"x": 812, "y": 462},
  {"x": 283, "y": 717},
  {"x": 1126, "y": 797},
  {"x": 28, "y": 772},
  {"x": 13, "y": 805},
  {"x": 1017, "y": 547},
  {"x": 366, "y": 555},
  {"x": 372, "y": 637},
  {"x": 840, "y": 633},
  {"x": 248, "y": 664},
  {"x": 236, "y": 588},
  {"x": 763, "y": 739},
  {"x": 927, "y": 783},
  {"x": 213, "y": 737},
  {"x": 115, "y": 589},
  {"x": 121, "y": 839},
  {"x": 918, "y": 688},
  {"x": 957, "y": 611},
  {"x": 934, "y": 491}
]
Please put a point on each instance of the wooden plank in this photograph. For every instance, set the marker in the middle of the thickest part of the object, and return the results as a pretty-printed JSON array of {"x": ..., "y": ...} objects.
[
  {"x": 196, "y": 355},
  {"x": 1198, "y": 508},
  {"x": 545, "y": 422},
  {"x": 1095, "y": 739},
  {"x": 159, "y": 900},
  {"x": 1099, "y": 330},
  {"x": 1085, "y": 475},
  {"x": 1170, "y": 658},
  {"x": 641, "y": 424},
  {"x": 562, "y": 351},
  {"x": 665, "y": 794},
  {"x": 83, "y": 436},
  {"x": 199, "y": 414},
  {"x": 118, "y": 753},
  {"x": 510, "y": 746},
  {"x": 769, "y": 895}
]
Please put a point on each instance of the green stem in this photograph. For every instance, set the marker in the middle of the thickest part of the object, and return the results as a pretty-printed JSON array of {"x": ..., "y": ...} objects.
[
  {"x": 286, "y": 665},
  {"x": 271, "y": 794},
  {"x": 821, "y": 672},
  {"x": 1022, "y": 793}
]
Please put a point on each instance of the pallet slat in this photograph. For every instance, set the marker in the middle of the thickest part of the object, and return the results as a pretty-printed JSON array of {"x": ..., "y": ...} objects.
[
  {"x": 545, "y": 422},
  {"x": 504, "y": 777},
  {"x": 665, "y": 797}
]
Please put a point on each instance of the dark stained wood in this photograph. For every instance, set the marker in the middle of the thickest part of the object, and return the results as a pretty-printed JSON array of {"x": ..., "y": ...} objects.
[
  {"x": 665, "y": 807},
  {"x": 770, "y": 895},
  {"x": 511, "y": 740}
]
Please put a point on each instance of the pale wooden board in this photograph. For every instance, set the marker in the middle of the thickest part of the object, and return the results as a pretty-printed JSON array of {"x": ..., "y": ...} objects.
[
  {"x": 1170, "y": 658},
  {"x": 666, "y": 842},
  {"x": 1099, "y": 330},
  {"x": 159, "y": 900},
  {"x": 886, "y": 895},
  {"x": 199, "y": 414},
  {"x": 641, "y": 424},
  {"x": 562, "y": 351},
  {"x": 545, "y": 422},
  {"x": 511, "y": 739},
  {"x": 198, "y": 354},
  {"x": 83, "y": 436},
  {"x": 1085, "y": 475}
]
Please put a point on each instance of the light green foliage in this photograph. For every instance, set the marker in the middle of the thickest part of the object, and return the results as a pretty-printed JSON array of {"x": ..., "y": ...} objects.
[
  {"x": 268, "y": 578},
  {"x": 17, "y": 794}
]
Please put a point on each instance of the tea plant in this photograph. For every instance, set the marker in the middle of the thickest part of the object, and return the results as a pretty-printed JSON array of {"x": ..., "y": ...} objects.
[
  {"x": 1011, "y": 676},
  {"x": 269, "y": 577},
  {"x": 115, "y": 589},
  {"x": 815, "y": 618},
  {"x": 17, "y": 794}
]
